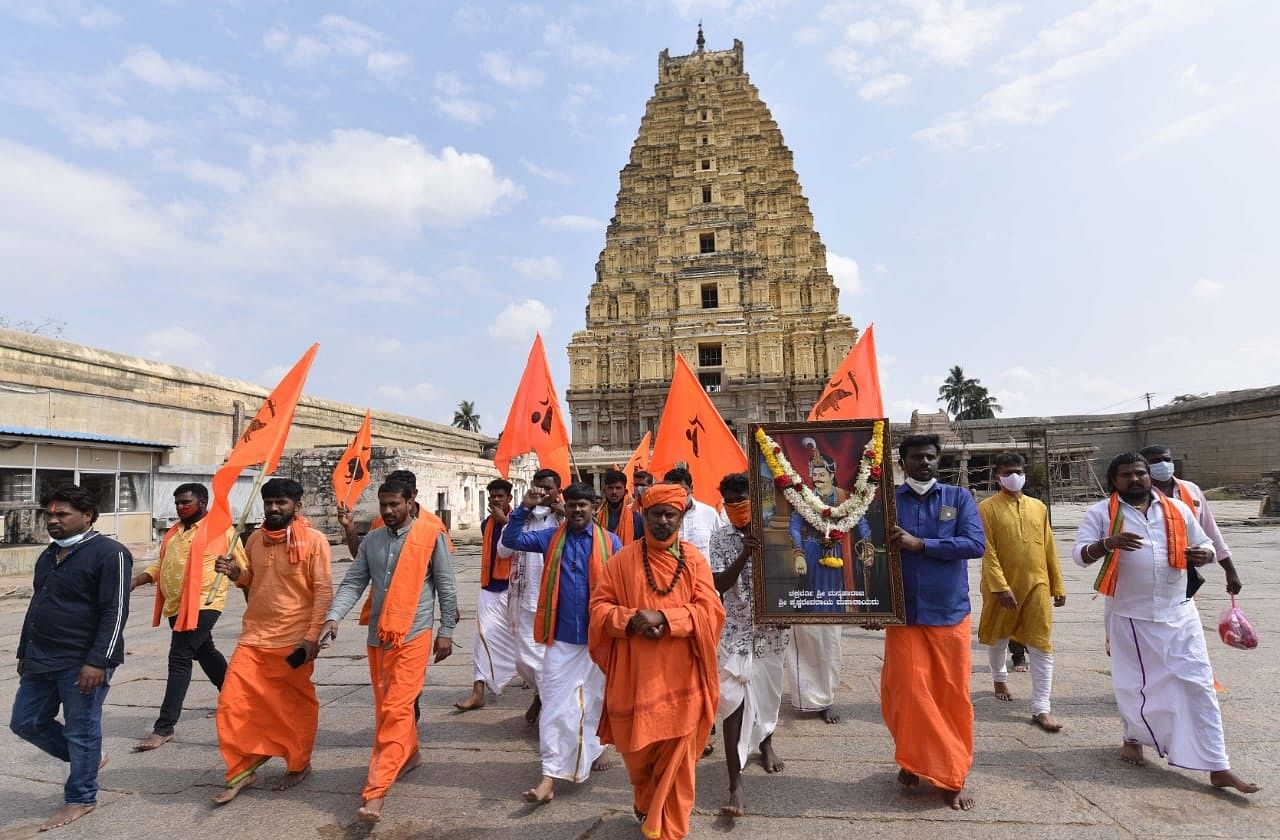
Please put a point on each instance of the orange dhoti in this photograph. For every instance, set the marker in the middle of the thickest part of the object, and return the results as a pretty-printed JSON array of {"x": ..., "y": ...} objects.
[
  {"x": 397, "y": 674},
  {"x": 662, "y": 775},
  {"x": 924, "y": 697},
  {"x": 266, "y": 709}
]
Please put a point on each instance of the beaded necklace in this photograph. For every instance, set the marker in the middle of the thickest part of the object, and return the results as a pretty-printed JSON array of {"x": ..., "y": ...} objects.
[{"x": 648, "y": 570}]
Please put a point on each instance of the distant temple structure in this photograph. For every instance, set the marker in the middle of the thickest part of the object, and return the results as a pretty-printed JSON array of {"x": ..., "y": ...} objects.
[{"x": 711, "y": 253}]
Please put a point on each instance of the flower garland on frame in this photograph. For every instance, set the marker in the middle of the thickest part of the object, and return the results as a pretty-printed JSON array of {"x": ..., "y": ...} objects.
[{"x": 832, "y": 522}]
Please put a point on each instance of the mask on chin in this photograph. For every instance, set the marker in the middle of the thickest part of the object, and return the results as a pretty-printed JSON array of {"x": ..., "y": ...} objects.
[
  {"x": 1161, "y": 470},
  {"x": 1013, "y": 483},
  {"x": 67, "y": 542},
  {"x": 921, "y": 487},
  {"x": 739, "y": 513}
]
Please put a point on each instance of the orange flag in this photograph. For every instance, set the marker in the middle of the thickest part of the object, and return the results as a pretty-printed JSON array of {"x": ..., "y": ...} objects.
[
  {"x": 854, "y": 392},
  {"x": 639, "y": 460},
  {"x": 693, "y": 432},
  {"x": 535, "y": 423},
  {"x": 351, "y": 474},
  {"x": 260, "y": 444}
]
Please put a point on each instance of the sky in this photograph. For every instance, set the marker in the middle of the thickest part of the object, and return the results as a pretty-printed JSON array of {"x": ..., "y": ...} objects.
[{"x": 1075, "y": 201}]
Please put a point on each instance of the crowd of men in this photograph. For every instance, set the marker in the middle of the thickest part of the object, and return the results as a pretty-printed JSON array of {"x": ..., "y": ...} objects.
[{"x": 631, "y": 618}]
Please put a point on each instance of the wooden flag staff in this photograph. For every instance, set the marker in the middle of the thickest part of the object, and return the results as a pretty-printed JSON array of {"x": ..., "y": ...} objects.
[{"x": 235, "y": 537}]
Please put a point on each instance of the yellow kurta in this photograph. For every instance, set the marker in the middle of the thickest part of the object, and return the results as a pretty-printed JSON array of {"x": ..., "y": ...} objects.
[
  {"x": 1020, "y": 558},
  {"x": 168, "y": 571}
]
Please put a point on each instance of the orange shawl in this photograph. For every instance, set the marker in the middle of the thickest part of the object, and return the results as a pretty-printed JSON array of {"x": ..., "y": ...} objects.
[
  {"x": 401, "y": 602},
  {"x": 626, "y": 521},
  {"x": 1175, "y": 531},
  {"x": 366, "y": 612},
  {"x": 491, "y": 564},
  {"x": 192, "y": 580},
  {"x": 544, "y": 620}
]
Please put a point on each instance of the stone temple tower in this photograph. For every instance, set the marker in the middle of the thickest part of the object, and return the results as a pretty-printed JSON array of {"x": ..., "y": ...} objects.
[{"x": 711, "y": 253}]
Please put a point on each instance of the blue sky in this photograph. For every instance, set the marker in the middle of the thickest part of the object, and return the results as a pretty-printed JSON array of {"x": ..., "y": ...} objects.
[{"x": 1076, "y": 201}]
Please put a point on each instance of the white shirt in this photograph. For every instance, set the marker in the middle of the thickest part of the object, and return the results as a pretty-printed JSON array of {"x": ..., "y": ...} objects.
[
  {"x": 700, "y": 522},
  {"x": 526, "y": 569},
  {"x": 1147, "y": 587},
  {"x": 1205, "y": 517}
]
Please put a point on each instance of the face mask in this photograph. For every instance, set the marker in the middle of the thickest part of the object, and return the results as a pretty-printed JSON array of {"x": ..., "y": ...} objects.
[
  {"x": 921, "y": 487},
  {"x": 739, "y": 513},
  {"x": 1013, "y": 483},
  {"x": 70, "y": 541},
  {"x": 1161, "y": 470},
  {"x": 541, "y": 510}
]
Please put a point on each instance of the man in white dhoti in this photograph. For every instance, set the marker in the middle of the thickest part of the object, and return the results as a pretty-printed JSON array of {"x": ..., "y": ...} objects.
[
  {"x": 570, "y": 684},
  {"x": 750, "y": 656},
  {"x": 526, "y": 577},
  {"x": 493, "y": 649},
  {"x": 1159, "y": 665}
]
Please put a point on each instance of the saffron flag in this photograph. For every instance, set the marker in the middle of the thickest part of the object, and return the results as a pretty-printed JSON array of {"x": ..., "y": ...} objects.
[
  {"x": 854, "y": 392},
  {"x": 639, "y": 460},
  {"x": 535, "y": 423},
  {"x": 693, "y": 434},
  {"x": 351, "y": 474},
  {"x": 260, "y": 444}
]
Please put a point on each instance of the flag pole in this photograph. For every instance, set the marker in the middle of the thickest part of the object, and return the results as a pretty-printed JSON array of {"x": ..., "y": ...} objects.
[
  {"x": 576, "y": 472},
  {"x": 235, "y": 537}
]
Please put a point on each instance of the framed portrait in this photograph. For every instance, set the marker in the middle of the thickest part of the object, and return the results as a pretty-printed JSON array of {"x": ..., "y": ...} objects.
[{"x": 822, "y": 504}]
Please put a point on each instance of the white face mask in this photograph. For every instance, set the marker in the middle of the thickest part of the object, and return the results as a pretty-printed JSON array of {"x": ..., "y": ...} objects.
[
  {"x": 921, "y": 487},
  {"x": 541, "y": 510},
  {"x": 1013, "y": 482},
  {"x": 67, "y": 542},
  {"x": 1161, "y": 470}
]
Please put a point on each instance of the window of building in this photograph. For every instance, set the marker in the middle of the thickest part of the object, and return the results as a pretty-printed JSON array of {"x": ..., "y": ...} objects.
[
  {"x": 102, "y": 485},
  {"x": 707, "y": 243},
  {"x": 584, "y": 430},
  {"x": 466, "y": 495},
  {"x": 706, "y": 164},
  {"x": 709, "y": 355},
  {"x": 702, "y": 115},
  {"x": 442, "y": 498},
  {"x": 49, "y": 480},
  {"x": 710, "y": 381},
  {"x": 16, "y": 486},
  {"x": 705, "y": 139},
  {"x": 710, "y": 296},
  {"x": 706, "y": 195},
  {"x": 773, "y": 417},
  {"x": 135, "y": 492}
]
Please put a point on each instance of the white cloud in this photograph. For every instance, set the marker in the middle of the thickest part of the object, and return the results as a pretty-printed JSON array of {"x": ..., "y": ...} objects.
[
  {"x": 114, "y": 134},
  {"x": 538, "y": 268},
  {"x": 1213, "y": 118},
  {"x": 845, "y": 271},
  {"x": 865, "y": 31},
  {"x": 469, "y": 111},
  {"x": 573, "y": 222},
  {"x": 387, "y": 65},
  {"x": 60, "y": 12},
  {"x": 339, "y": 36},
  {"x": 518, "y": 322},
  {"x": 171, "y": 75},
  {"x": 950, "y": 33},
  {"x": 389, "y": 346},
  {"x": 202, "y": 172},
  {"x": 884, "y": 87},
  {"x": 177, "y": 345},
  {"x": 422, "y": 398},
  {"x": 1207, "y": 289},
  {"x": 579, "y": 51},
  {"x": 507, "y": 72},
  {"x": 546, "y": 173},
  {"x": 847, "y": 63},
  {"x": 952, "y": 131},
  {"x": 472, "y": 18}
]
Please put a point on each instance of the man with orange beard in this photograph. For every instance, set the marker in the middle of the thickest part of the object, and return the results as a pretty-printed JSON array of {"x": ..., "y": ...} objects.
[{"x": 655, "y": 623}]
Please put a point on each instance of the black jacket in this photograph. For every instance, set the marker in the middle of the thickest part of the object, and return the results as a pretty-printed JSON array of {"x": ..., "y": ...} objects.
[{"x": 78, "y": 611}]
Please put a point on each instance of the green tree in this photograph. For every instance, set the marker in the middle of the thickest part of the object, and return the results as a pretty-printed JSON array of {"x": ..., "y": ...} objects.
[
  {"x": 1186, "y": 398},
  {"x": 465, "y": 417},
  {"x": 967, "y": 398},
  {"x": 979, "y": 404}
]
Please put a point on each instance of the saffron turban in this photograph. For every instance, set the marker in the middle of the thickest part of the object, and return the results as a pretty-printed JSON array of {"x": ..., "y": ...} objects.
[{"x": 665, "y": 494}]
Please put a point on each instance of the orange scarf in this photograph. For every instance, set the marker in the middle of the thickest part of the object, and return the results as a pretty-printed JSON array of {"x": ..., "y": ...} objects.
[
  {"x": 491, "y": 565},
  {"x": 626, "y": 531},
  {"x": 289, "y": 535},
  {"x": 1175, "y": 531},
  {"x": 366, "y": 612},
  {"x": 1184, "y": 496},
  {"x": 192, "y": 579},
  {"x": 400, "y": 605},
  {"x": 544, "y": 621}
]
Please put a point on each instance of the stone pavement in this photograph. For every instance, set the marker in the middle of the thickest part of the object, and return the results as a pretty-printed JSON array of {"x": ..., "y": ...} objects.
[{"x": 839, "y": 780}]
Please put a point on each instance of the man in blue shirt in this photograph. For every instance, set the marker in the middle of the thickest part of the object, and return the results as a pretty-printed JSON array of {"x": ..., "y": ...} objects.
[
  {"x": 571, "y": 686},
  {"x": 924, "y": 684}
]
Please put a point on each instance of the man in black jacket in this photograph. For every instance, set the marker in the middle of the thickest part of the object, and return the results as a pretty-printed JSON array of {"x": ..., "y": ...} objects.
[{"x": 72, "y": 640}]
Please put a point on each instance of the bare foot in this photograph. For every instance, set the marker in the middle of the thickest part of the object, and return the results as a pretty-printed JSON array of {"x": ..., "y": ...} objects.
[
  {"x": 1020, "y": 667},
  {"x": 66, "y": 815},
  {"x": 709, "y": 748},
  {"x": 543, "y": 793},
  {"x": 1047, "y": 722},
  {"x": 768, "y": 758},
  {"x": 1131, "y": 753},
  {"x": 535, "y": 709},
  {"x": 1227, "y": 778},
  {"x": 829, "y": 715},
  {"x": 604, "y": 761},
  {"x": 291, "y": 778},
  {"x": 414, "y": 762},
  {"x": 152, "y": 742},
  {"x": 958, "y": 800},
  {"x": 475, "y": 701},
  {"x": 733, "y": 808},
  {"x": 102, "y": 763},
  {"x": 234, "y": 790},
  {"x": 908, "y": 779},
  {"x": 370, "y": 812},
  {"x": 1002, "y": 691}
]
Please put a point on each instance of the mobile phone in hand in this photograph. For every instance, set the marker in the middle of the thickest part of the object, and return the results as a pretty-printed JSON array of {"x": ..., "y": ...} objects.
[{"x": 298, "y": 658}]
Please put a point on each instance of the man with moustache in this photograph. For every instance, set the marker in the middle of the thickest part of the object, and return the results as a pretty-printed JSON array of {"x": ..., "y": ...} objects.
[
  {"x": 575, "y": 555},
  {"x": 71, "y": 642},
  {"x": 616, "y": 514},
  {"x": 1146, "y": 542}
]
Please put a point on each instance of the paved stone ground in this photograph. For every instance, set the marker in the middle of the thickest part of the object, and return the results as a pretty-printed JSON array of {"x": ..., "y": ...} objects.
[{"x": 839, "y": 781}]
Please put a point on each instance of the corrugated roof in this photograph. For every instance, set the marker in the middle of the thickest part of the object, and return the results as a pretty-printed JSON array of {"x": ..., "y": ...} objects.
[{"x": 86, "y": 437}]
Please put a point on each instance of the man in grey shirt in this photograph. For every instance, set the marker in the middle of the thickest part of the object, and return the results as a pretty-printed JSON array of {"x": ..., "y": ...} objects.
[{"x": 406, "y": 564}]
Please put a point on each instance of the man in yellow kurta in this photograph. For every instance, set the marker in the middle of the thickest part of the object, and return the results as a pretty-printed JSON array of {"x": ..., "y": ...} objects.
[
  {"x": 168, "y": 572},
  {"x": 1020, "y": 575}
]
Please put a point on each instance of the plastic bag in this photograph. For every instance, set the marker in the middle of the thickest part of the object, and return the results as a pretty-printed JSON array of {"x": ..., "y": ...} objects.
[{"x": 1235, "y": 630}]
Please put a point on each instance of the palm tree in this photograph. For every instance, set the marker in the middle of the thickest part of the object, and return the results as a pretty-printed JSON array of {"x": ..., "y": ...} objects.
[
  {"x": 465, "y": 417},
  {"x": 979, "y": 405},
  {"x": 955, "y": 390}
]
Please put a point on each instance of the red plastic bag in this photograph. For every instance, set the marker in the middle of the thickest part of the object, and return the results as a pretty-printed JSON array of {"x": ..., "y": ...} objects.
[{"x": 1235, "y": 630}]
